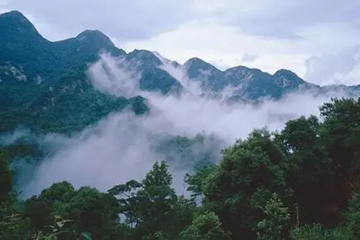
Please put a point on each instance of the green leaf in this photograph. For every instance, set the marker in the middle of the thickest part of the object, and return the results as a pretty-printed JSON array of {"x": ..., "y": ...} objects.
[{"x": 86, "y": 235}]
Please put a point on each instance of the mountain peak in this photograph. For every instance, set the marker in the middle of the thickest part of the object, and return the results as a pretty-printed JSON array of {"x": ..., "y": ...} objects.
[
  {"x": 95, "y": 36},
  {"x": 144, "y": 56},
  {"x": 287, "y": 78},
  {"x": 15, "y": 24},
  {"x": 14, "y": 14},
  {"x": 285, "y": 72},
  {"x": 237, "y": 68},
  {"x": 196, "y": 63},
  {"x": 16, "y": 18},
  {"x": 288, "y": 74},
  {"x": 90, "y": 32},
  {"x": 196, "y": 60},
  {"x": 165, "y": 60}
]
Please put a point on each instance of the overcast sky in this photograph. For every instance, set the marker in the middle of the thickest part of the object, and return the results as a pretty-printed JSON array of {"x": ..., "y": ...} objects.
[{"x": 317, "y": 39}]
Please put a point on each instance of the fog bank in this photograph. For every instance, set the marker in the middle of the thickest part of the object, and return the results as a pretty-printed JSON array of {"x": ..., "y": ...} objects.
[{"x": 123, "y": 146}]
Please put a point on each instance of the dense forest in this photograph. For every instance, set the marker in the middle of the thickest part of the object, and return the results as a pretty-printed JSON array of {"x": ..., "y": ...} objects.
[{"x": 298, "y": 183}]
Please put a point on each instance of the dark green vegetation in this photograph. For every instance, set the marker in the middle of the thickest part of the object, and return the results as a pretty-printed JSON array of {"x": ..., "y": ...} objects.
[
  {"x": 44, "y": 85},
  {"x": 300, "y": 183},
  {"x": 189, "y": 153}
]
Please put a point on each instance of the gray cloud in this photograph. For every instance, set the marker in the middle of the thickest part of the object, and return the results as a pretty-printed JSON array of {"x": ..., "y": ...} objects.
[
  {"x": 138, "y": 20},
  {"x": 10, "y": 138},
  {"x": 221, "y": 64},
  {"x": 285, "y": 19},
  {"x": 248, "y": 57},
  {"x": 125, "y": 20},
  {"x": 113, "y": 75},
  {"x": 343, "y": 68}
]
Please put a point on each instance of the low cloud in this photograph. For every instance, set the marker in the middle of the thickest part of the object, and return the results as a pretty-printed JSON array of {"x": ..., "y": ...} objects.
[
  {"x": 112, "y": 75},
  {"x": 11, "y": 138},
  {"x": 124, "y": 146},
  {"x": 248, "y": 57},
  {"x": 112, "y": 152},
  {"x": 343, "y": 68},
  {"x": 284, "y": 19},
  {"x": 179, "y": 73}
]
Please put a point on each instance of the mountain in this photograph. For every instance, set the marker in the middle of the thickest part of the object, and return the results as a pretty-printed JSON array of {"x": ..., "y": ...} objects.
[
  {"x": 209, "y": 77},
  {"x": 44, "y": 85},
  {"x": 152, "y": 77},
  {"x": 245, "y": 83}
]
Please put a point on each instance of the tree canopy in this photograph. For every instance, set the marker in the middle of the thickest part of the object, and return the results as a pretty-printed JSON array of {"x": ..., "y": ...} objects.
[{"x": 299, "y": 183}]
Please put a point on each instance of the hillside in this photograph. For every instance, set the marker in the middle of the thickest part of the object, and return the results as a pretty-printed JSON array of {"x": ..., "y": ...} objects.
[
  {"x": 299, "y": 183},
  {"x": 43, "y": 84}
]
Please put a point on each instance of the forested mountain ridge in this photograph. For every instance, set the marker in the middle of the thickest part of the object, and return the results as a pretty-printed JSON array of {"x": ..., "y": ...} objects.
[
  {"x": 43, "y": 82},
  {"x": 298, "y": 183},
  {"x": 43, "y": 78}
]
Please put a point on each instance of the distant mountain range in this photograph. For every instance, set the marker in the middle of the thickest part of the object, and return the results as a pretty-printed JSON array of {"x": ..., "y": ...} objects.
[{"x": 43, "y": 84}]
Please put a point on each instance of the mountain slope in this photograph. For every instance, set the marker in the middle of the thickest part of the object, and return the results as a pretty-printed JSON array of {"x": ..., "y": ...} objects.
[
  {"x": 244, "y": 83},
  {"x": 209, "y": 77},
  {"x": 152, "y": 78},
  {"x": 44, "y": 85}
]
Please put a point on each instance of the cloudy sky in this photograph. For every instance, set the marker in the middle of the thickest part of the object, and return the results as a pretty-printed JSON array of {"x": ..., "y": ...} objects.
[{"x": 319, "y": 40}]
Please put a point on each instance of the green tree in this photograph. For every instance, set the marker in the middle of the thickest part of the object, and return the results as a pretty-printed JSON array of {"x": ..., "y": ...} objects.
[
  {"x": 276, "y": 221},
  {"x": 5, "y": 177},
  {"x": 94, "y": 212},
  {"x": 318, "y": 232},
  {"x": 340, "y": 134},
  {"x": 151, "y": 207},
  {"x": 248, "y": 174},
  {"x": 313, "y": 232},
  {"x": 352, "y": 216},
  {"x": 205, "y": 227},
  {"x": 13, "y": 226},
  {"x": 78, "y": 211},
  {"x": 309, "y": 170},
  {"x": 196, "y": 182}
]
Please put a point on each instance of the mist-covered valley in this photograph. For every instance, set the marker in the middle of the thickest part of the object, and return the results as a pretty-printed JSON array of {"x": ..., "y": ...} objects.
[
  {"x": 188, "y": 130},
  {"x": 100, "y": 140}
]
